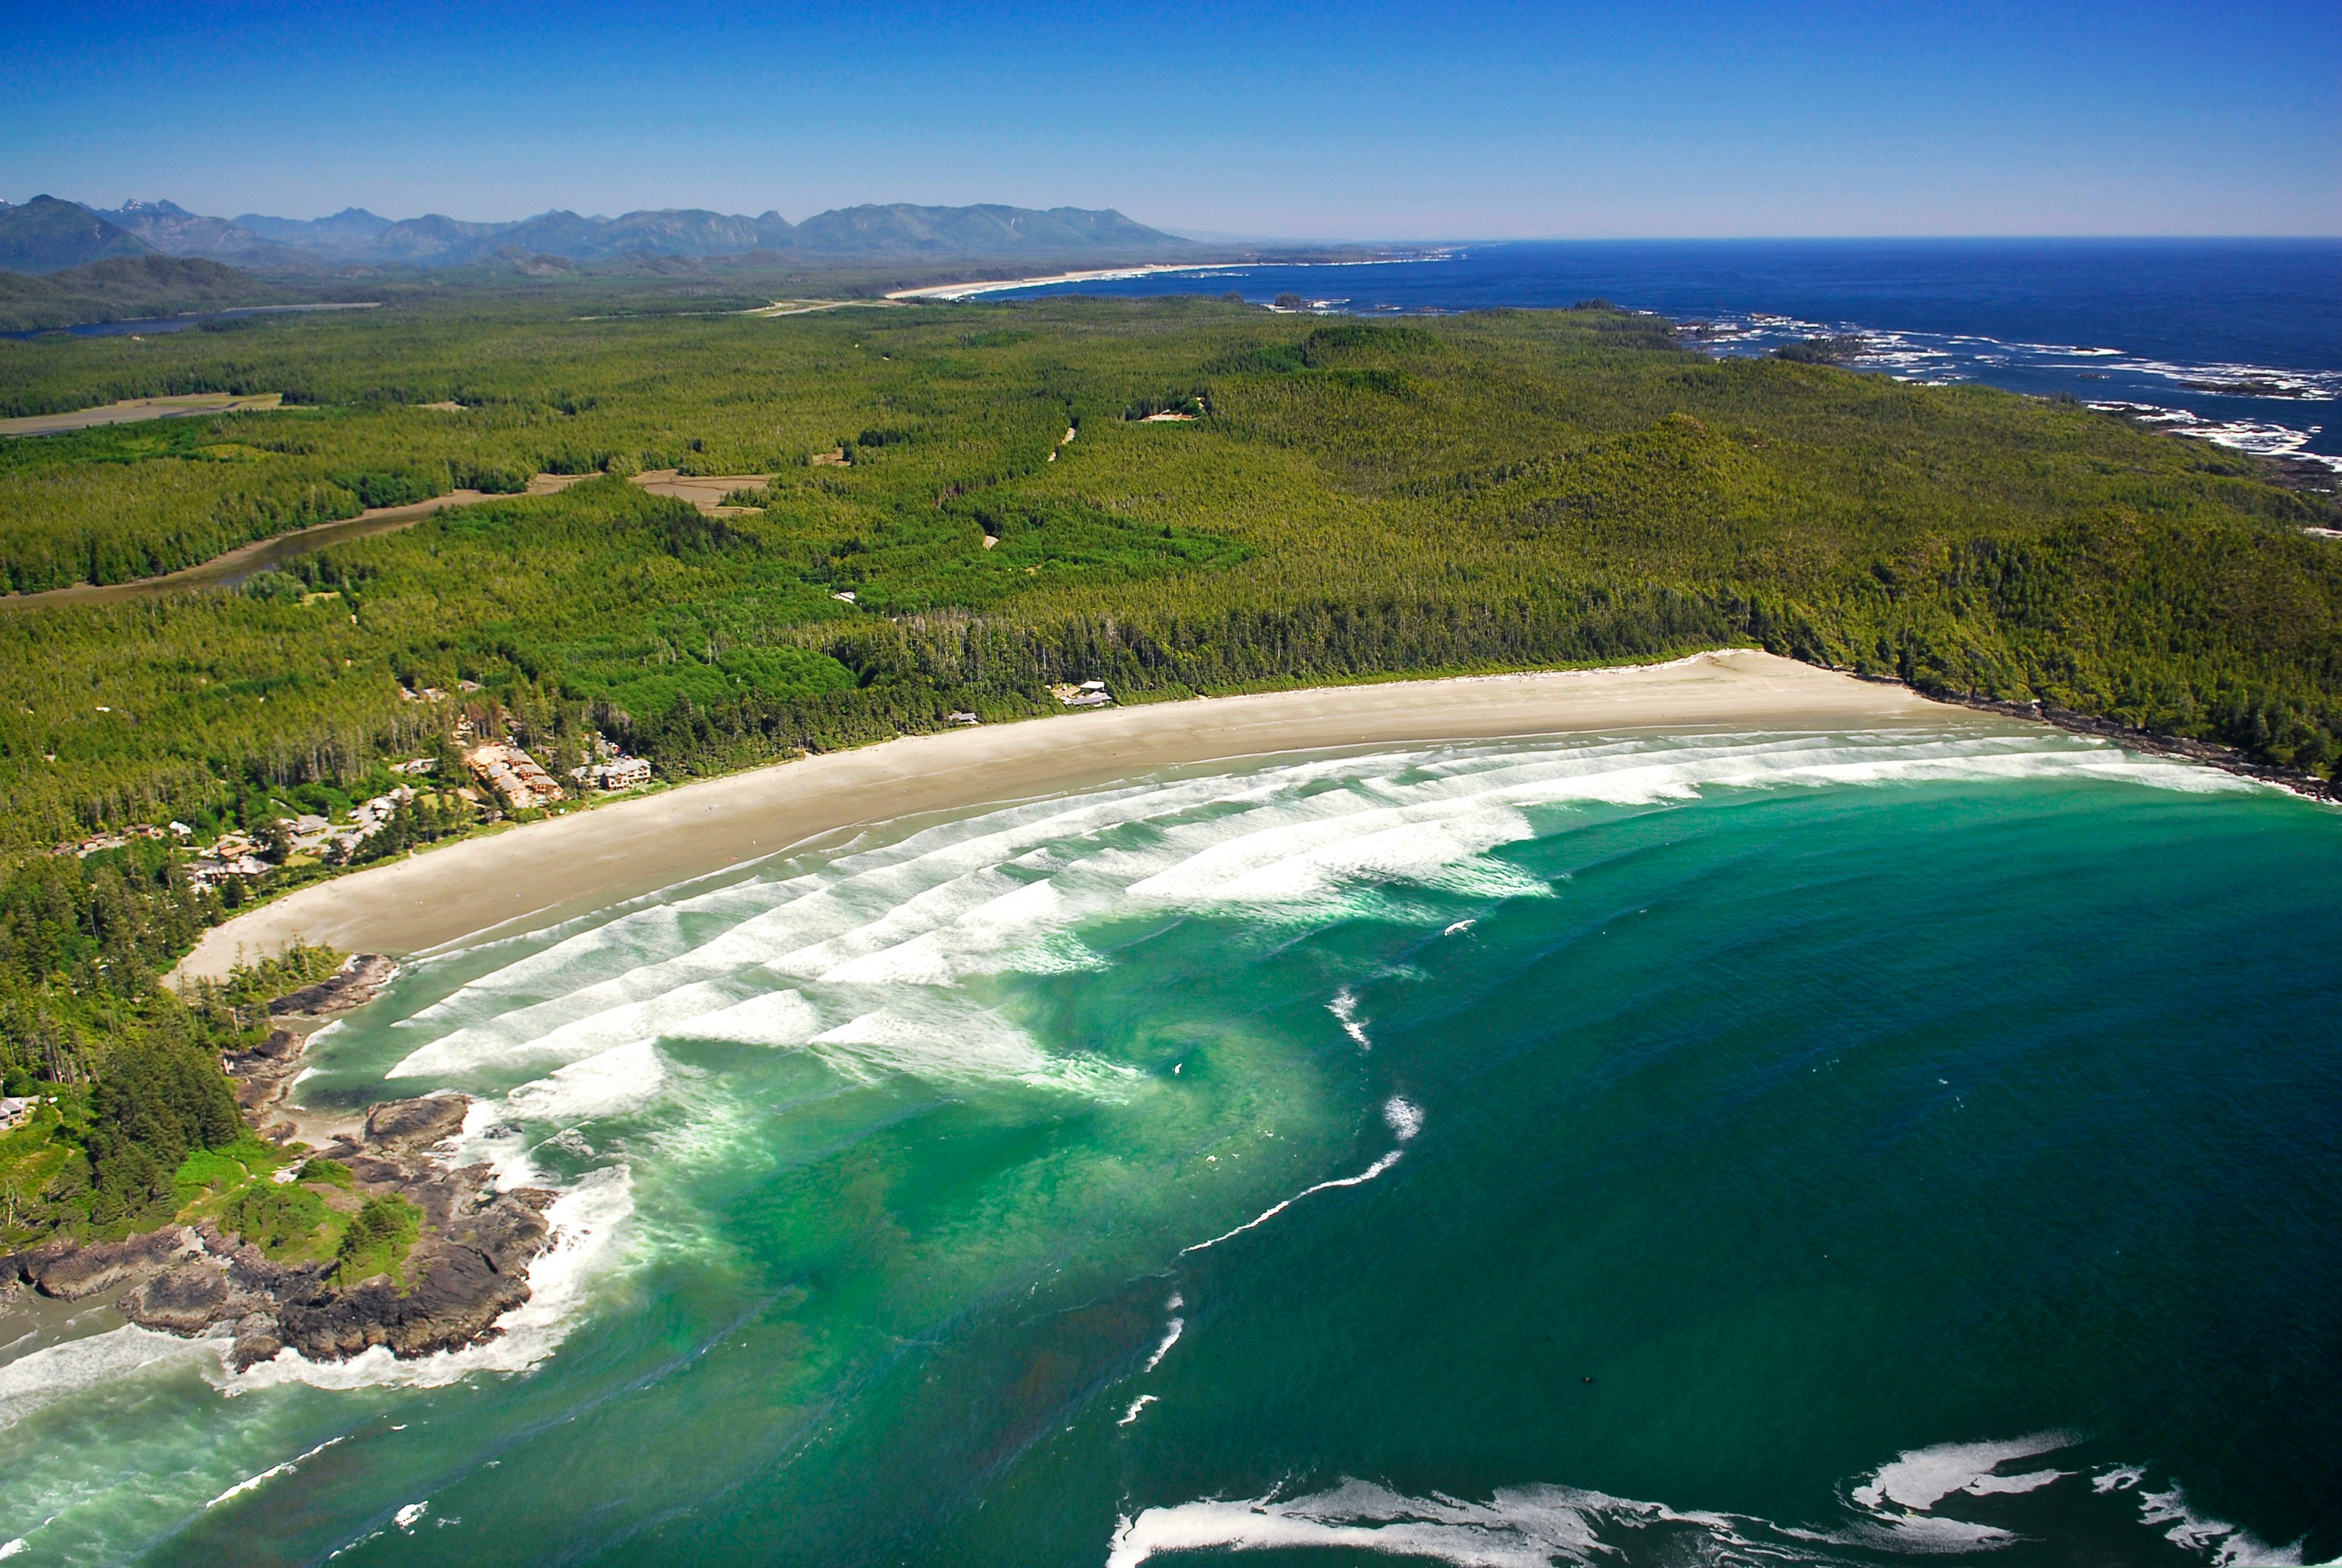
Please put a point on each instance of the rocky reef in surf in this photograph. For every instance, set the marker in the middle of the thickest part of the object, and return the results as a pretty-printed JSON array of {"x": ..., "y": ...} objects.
[{"x": 467, "y": 1266}]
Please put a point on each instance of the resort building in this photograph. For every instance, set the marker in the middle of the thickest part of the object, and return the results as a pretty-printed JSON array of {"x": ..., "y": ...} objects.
[{"x": 512, "y": 773}]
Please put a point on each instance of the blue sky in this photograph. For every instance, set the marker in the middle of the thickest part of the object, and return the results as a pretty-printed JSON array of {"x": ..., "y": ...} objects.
[{"x": 1370, "y": 122}]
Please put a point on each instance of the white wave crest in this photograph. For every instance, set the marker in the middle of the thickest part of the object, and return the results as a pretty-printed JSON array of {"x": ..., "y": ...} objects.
[
  {"x": 1360, "y": 1180},
  {"x": 1171, "y": 1333},
  {"x": 1923, "y": 1477},
  {"x": 852, "y": 940},
  {"x": 775, "y": 1018},
  {"x": 2221, "y": 1543},
  {"x": 254, "y": 1482},
  {"x": 1520, "y": 1527},
  {"x": 57, "y": 1372},
  {"x": 1540, "y": 1526},
  {"x": 620, "y": 1080},
  {"x": 1897, "y": 1496}
]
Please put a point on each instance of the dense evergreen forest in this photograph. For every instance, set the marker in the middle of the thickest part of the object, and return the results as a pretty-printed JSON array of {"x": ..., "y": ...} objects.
[
  {"x": 1331, "y": 500},
  {"x": 1355, "y": 499}
]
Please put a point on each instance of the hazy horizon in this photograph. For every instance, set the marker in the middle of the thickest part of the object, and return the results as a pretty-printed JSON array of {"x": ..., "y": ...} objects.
[
  {"x": 1486, "y": 122},
  {"x": 1201, "y": 236}
]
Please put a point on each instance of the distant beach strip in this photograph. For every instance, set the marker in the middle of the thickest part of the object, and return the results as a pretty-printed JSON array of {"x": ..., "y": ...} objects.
[{"x": 954, "y": 291}]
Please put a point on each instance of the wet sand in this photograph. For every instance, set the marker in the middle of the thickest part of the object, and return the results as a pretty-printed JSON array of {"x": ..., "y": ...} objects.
[{"x": 548, "y": 871}]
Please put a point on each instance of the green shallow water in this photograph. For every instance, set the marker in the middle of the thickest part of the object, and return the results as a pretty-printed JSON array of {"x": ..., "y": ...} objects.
[{"x": 1650, "y": 1150}]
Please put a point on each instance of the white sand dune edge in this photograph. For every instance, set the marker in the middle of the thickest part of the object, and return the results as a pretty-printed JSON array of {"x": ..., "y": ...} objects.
[
  {"x": 959, "y": 291},
  {"x": 550, "y": 870}
]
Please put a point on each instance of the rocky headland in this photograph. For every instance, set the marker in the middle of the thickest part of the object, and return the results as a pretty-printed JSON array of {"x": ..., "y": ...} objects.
[{"x": 467, "y": 1267}]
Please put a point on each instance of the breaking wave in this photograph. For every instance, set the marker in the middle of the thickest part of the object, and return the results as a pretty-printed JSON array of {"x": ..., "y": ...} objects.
[
  {"x": 864, "y": 960},
  {"x": 1405, "y": 1119},
  {"x": 1897, "y": 1513},
  {"x": 58, "y": 1372}
]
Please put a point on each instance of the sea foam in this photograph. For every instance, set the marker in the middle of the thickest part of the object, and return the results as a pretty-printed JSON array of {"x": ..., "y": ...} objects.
[
  {"x": 1891, "y": 1518},
  {"x": 1009, "y": 890}
]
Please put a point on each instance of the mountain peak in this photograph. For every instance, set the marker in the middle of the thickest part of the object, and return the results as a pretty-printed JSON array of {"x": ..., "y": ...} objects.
[{"x": 45, "y": 234}]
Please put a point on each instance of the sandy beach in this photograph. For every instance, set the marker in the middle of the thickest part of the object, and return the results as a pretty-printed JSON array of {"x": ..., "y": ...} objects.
[
  {"x": 548, "y": 871},
  {"x": 1100, "y": 274}
]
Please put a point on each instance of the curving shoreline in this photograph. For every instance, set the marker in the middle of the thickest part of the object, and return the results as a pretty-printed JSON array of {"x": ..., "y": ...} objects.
[{"x": 547, "y": 870}]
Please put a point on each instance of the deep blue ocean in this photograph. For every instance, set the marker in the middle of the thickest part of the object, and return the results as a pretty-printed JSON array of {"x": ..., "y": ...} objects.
[{"x": 2238, "y": 341}]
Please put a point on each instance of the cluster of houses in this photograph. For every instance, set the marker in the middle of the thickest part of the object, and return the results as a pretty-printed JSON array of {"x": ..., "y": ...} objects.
[
  {"x": 86, "y": 847},
  {"x": 233, "y": 856},
  {"x": 612, "y": 769},
  {"x": 522, "y": 781},
  {"x": 16, "y": 1111},
  {"x": 433, "y": 694},
  {"x": 236, "y": 854},
  {"x": 501, "y": 766}
]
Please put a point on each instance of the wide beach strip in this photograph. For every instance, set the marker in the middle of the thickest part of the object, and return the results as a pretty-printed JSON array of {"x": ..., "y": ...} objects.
[{"x": 568, "y": 865}]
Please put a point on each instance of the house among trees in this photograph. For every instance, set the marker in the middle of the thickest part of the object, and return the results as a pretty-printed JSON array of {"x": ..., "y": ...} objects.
[
  {"x": 1088, "y": 695},
  {"x": 612, "y": 769}
]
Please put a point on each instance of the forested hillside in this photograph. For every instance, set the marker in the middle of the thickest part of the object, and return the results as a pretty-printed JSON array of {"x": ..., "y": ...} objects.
[
  {"x": 127, "y": 288},
  {"x": 1461, "y": 493}
]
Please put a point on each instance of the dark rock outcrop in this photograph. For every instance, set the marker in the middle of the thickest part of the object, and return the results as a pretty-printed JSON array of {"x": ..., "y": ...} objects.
[
  {"x": 462, "y": 1283},
  {"x": 65, "y": 1272},
  {"x": 469, "y": 1267},
  {"x": 354, "y": 984},
  {"x": 400, "y": 1126},
  {"x": 465, "y": 1274}
]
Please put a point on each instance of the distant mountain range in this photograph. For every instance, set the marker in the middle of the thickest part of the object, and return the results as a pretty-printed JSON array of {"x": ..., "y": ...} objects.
[{"x": 45, "y": 234}]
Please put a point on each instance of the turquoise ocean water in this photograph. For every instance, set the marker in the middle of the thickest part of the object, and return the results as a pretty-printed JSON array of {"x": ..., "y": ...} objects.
[{"x": 1637, "y": 1150}]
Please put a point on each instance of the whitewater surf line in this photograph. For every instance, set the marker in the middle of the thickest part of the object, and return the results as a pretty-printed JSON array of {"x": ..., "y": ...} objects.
[
  {"x": 1891, "y": 1515},
  {"x": 1405, "y": 1120}
]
